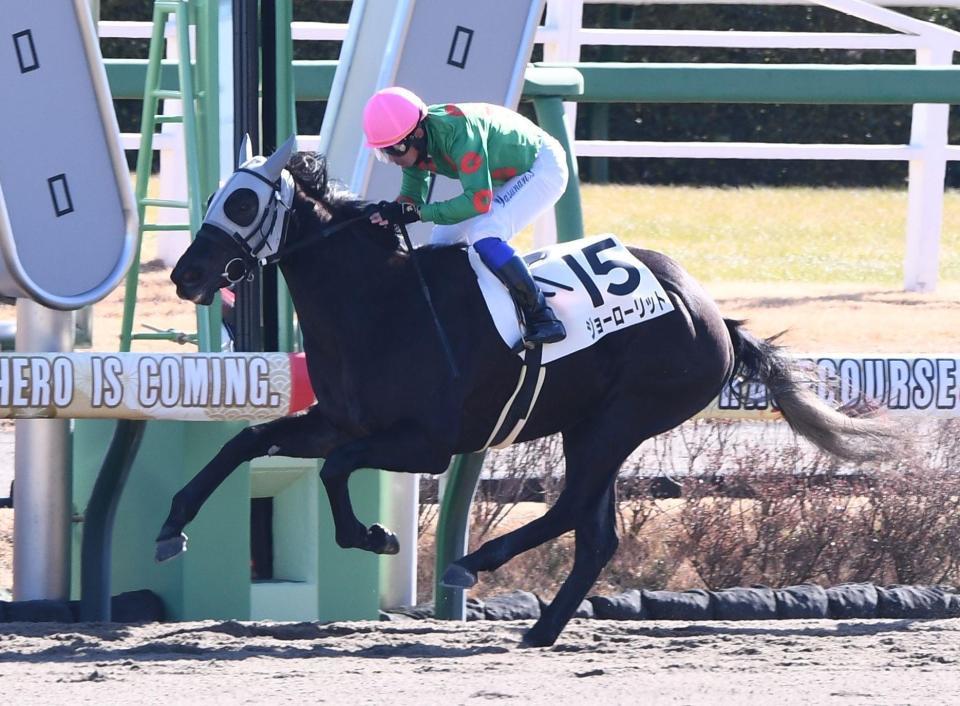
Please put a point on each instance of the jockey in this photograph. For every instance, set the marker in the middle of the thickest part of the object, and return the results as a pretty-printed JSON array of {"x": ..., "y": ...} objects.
[{"x": 511, "y": 171}]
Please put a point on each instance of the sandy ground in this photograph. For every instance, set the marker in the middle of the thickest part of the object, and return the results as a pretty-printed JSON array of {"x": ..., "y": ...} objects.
[
  {"x": 818, "y": 318},
  {"x": 803, "y": 662},
  {"x": 859, "y": 662}
]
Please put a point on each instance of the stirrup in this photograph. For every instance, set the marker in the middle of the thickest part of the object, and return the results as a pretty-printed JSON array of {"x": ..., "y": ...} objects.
[{"x": 556, "y": 336}]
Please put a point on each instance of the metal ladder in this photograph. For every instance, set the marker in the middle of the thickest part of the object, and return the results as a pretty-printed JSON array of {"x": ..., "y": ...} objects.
[{"x": 188, "y": 96}]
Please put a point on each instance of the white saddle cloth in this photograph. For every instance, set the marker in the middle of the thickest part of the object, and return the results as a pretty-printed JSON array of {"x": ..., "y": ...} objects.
[{"x": 595, "y": 286}]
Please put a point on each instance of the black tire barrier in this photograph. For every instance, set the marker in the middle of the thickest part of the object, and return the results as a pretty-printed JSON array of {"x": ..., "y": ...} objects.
[
  {"x": 849, "y": 601},
  {"x": 516, "y": 605},
  {"x": 142, "y": 606},
  {"x": 622, "y": 606},
  {"x": 678, "y": 605},
  {"x": 757, "y": 603}
]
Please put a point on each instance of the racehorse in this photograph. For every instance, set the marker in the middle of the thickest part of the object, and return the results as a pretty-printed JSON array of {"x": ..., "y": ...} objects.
[{"x": 390, "y": 396}]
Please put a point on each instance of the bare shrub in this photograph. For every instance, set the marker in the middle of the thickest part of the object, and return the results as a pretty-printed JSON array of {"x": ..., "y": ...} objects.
[
  {"x": 516, "y": 469},
  {"x": 841, "y": 537},
  {"x": 427, "y": 516},
  {"x": 759, "y": 508},
  {"x": 714, "y": 536},
  {"x": 917, "y": 515},
  {"x": 646, "y": 555}
]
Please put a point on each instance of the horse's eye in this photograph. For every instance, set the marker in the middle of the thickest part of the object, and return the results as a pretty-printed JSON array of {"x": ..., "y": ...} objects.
[{"x": 242, "y": 206}]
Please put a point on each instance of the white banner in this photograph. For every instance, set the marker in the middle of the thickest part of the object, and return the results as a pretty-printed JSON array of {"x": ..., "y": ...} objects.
[
  {"x": 202, "y": 387},
  {"x": 920, "y": 385},
  {"x": 261, "y": 386}
]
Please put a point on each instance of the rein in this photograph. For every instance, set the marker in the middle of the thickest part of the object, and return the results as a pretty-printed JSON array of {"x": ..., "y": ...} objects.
[
  {"x": 399, "y": 229},
  {"x": 250, "y": 258},
  {"x": 249, "y": 261},
  {"x": 441, "y": 333},
  {"x": 330, "y": 230}
]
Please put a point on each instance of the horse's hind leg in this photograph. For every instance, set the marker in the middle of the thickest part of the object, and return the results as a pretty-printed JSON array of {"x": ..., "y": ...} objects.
[
  {"x": 594, "y": 452},
  {"x": 596, "y": 543},
  {"x": 596, "y": 449},
  {"x": 498, "y": 551}
]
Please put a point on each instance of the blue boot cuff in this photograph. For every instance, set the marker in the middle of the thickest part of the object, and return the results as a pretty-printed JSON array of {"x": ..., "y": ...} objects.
[{"x": 494, "y": 252}]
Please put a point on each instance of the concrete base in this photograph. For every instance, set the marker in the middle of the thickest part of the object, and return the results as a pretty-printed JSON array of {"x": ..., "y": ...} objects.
[{"x": 315, "y": 579}]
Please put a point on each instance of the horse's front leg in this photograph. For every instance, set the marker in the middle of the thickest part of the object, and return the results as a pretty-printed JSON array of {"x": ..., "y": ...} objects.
[
  {"x": 304, "y": 436},
  {"x": 404, "y": 447}
]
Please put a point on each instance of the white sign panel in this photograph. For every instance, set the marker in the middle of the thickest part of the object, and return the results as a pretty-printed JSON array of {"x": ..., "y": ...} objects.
[
  {"x": 67, "y": 215},
  {"x": 445, "y": 52},
  {"x": 922, "y": 385},
  {"x": 199, "y": 387}
]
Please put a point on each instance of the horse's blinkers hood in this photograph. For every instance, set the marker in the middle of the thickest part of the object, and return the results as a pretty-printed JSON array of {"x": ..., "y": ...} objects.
[{"x": 246, "y": 222}]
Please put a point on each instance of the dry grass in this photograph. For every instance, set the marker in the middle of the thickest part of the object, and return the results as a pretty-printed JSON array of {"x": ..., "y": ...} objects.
[
  {"x": 825, "y": 264},
  {"x": 780, "y": 517},
  {"x": 755, "y": 234},
  {"x": 772, "y": 235}
]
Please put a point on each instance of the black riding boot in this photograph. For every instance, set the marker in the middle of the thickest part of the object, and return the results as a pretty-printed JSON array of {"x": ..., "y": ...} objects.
[{"x": 541, "y": 323}]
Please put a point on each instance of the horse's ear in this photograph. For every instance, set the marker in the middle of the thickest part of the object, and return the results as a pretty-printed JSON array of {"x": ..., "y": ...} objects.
[
  {"x": 246, "y": 150},
  {"x": 278, "y": 160}
]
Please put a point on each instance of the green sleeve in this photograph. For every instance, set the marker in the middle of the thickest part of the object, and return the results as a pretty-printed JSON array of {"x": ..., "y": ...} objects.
[
  {"x": 469, "y": 153},
  {"x": 415, "y": 185}
]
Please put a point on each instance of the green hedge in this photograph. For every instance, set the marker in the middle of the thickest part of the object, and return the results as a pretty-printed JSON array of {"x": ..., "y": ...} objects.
[{"x": 635, "y": 121}]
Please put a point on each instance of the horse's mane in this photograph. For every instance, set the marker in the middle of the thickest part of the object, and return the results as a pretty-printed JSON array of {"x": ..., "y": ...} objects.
[{"x": 329, "y": 200}]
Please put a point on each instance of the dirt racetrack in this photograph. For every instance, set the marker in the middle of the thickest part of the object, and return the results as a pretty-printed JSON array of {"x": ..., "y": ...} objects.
[
  {"x": 606, "y": 662},
  {"x": 818, "y": 318},
  {"x": 782, "y": 662}
]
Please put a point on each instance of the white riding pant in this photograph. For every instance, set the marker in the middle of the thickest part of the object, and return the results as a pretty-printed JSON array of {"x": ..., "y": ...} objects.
[{"x": 516, "y": 203}]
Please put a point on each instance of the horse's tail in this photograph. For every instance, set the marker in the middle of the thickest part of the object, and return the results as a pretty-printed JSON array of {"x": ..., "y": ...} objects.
[{"x": 848, "y": 438}]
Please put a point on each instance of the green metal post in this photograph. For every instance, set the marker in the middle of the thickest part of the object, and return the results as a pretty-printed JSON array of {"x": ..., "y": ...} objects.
[
  {"x": 98, "y": 520},
  {"x": 599, "y": 130},
  {"x": 568, "y": 210},
  {"x": 286, "y": 126},
  {"x": 207, "y": 86},
  {"x": 208, "y": 326},
  {"x": 286, "y": 95},
  {"x": 144, "y": 160},
  {"x": 452, "y": 531},
  {"x": 207, "y": 19}
]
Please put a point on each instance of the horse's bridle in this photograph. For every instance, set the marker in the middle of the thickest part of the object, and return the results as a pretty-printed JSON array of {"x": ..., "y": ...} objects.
[
  {"x": 244, "y": 267},
  {"x": 251, "y": 254}
]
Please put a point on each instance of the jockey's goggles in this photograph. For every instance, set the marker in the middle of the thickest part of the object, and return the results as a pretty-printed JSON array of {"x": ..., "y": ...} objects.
[{"x": 396, "y": 150}]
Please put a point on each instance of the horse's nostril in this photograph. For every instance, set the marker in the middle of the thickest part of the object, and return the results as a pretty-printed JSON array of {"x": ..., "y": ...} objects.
[{"x": 185, "y": 276}]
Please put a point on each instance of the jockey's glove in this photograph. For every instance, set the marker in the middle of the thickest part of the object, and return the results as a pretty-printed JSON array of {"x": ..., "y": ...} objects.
[{"x": 398, "y": 211}]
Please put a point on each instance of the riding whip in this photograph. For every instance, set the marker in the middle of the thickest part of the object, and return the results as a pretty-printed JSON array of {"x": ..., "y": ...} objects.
[{"x": 445, "y": 342}]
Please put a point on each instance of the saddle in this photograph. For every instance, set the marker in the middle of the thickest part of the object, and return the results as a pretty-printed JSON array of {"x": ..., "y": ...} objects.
[{"x": 595, "y": 287}]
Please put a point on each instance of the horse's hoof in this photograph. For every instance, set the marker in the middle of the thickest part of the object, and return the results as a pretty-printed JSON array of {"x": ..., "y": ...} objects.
[
  {"x": 537, "y": 638},
  {"x": 458, "y": 577},
  {"x": 382, "y": 541},
  {"x": 170, "y": 547}
]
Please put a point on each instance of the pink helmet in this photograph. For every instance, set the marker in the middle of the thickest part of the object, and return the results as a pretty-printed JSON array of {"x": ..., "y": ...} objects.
[{"x": 390, "y": 115}]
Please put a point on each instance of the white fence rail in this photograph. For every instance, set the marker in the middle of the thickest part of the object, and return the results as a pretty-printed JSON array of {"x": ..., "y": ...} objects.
[{"x": 563, "y": 36}]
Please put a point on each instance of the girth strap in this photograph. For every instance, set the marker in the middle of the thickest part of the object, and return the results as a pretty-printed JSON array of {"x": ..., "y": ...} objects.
[{"x": 520, "y": 405}]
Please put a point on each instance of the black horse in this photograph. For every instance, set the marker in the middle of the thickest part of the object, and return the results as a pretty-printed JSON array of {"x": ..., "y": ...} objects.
[{"x": 387, "y": 396}]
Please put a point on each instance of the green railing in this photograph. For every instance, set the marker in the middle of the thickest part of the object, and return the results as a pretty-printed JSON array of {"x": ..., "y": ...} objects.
[
  {"x": 661, "y": 83},
  {"x": 549, "y": 84}
]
